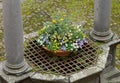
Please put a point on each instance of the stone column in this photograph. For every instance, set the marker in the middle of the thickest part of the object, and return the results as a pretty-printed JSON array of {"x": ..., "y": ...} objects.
[
  {"x": 101, "y": 31},
  {"x": 13, "y": 35}
]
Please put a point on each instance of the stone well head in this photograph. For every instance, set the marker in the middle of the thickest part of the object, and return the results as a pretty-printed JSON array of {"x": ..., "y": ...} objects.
[{"x": 82, "y": 66}]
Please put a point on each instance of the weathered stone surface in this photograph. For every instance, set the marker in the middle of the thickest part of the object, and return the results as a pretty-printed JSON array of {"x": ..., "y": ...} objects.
[{"x": 13, "y": 78}]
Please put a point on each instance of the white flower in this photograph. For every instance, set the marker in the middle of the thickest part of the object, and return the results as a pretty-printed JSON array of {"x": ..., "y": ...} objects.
[
  {"x": 40, "y": 42},
  {"x": 75, "y": 45}
]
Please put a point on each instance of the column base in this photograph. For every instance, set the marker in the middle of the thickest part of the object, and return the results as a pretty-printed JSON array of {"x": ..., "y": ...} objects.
[
  {"x": 16, "y": 70},
  {"x": 100, "y": 36},
  {"x": 16, "y": 78}
]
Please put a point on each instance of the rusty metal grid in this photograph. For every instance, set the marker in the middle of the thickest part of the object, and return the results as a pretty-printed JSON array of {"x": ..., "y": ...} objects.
[{"x": 43, "y": 62}]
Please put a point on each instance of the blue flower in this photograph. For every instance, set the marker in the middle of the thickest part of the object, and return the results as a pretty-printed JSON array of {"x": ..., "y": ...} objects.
[
  {"x": 63, "y": 41},
  {"x": 47, "y": 42},
  {"x": 78, "y": 40},
  {"x": 80, "y": 44},
  {"x": 44, "y": 39},
  {"x": 63, "y": 48},
  {"x": 85, "y": 40}
]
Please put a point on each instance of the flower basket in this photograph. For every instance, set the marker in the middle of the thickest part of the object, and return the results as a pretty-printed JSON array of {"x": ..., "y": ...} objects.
[
  {"x": 60, "y": 37},
  {"x": 58, "y": 52}
]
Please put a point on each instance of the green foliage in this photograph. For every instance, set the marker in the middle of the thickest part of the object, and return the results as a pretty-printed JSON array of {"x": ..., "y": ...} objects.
[{"x": 61, "y": 34}]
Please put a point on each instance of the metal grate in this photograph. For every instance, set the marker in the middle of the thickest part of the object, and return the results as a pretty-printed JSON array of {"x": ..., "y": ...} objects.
[{"x": 43, "y": 62}]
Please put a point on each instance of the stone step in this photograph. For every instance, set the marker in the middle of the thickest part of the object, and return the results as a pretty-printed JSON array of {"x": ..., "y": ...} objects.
[
  {"x": 112, "y": 74},
  {"x": 115, "y": 80}
]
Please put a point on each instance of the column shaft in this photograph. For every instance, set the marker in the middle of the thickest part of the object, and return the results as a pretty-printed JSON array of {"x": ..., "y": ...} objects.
[
  {"x": 13, "y": 35},
  {"x": 102, "y": 13}
]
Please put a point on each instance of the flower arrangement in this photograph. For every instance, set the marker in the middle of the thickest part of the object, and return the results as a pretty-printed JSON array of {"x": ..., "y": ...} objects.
[{"x": 61, "y": 34}]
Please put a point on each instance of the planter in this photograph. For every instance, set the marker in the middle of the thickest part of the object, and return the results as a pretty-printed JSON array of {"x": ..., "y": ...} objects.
[{"x": 58, "y": 52}]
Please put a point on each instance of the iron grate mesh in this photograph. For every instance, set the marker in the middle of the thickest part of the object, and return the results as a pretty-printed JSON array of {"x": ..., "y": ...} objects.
[{"x": 43, "y": 62}]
